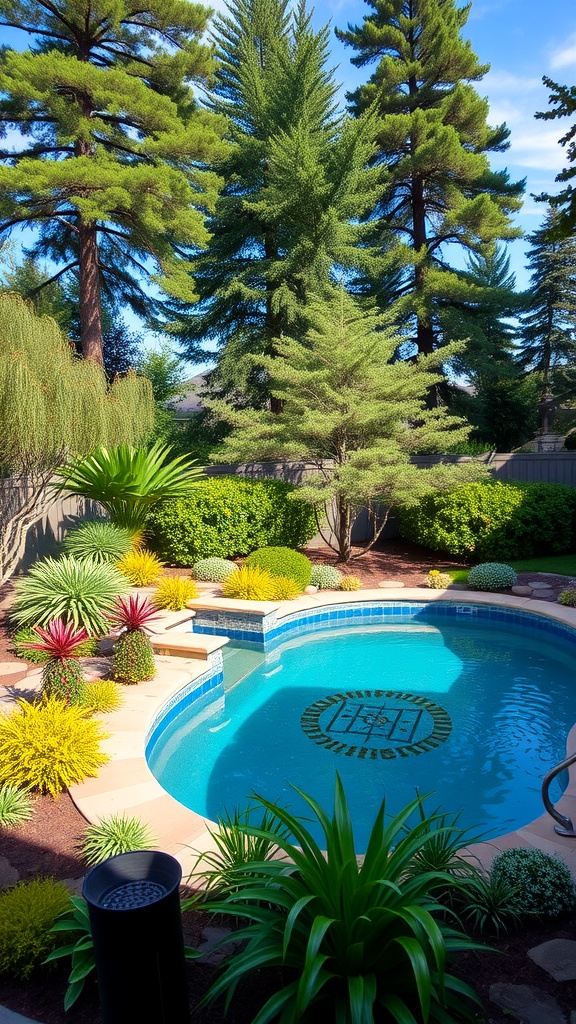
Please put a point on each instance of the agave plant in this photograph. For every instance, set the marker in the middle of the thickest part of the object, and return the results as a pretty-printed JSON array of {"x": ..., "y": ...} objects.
[
  {"x": 76, "y": 589},
  {"x": 128, "y": 481},
  {"x": 133, "y": 654},
  {"x": 365, "y": 942},
  {"x": 62, "y": 676}
]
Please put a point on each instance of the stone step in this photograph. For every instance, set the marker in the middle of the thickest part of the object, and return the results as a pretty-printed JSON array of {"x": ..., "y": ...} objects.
[{"x": 187, "y": 645}]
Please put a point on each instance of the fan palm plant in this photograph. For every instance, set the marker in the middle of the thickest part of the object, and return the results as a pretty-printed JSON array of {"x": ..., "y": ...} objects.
[
  {"x": 128, "y": 481},
  {"x": 365, "y": 942}
]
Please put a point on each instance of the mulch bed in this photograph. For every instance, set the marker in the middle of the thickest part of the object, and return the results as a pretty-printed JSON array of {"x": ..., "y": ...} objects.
[{"x": 47, "y": 845}]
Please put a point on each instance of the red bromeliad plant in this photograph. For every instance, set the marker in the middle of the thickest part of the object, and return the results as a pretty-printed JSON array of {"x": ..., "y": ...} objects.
[
  {"x": 62, "y": 676},
  {"x": 133, "y": 653}
]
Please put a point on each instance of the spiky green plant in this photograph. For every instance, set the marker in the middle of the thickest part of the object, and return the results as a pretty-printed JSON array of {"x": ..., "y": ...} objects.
[
  {"x": 128, "y": 481},
  {"x": 363, "y": 941},
  {"x": 99, "y": 539},
  {"x": 101, "y": 696},
  {"x": 133, "y": 653},
  {"x": 76, "y": 589},
  {"x": 113, "y": 835},
  {"x": 223, "y": 869},
  {"x": 62, "y": 676},
  {"x": 490, "y": 905},
  {"x": 15, "y": 806}
]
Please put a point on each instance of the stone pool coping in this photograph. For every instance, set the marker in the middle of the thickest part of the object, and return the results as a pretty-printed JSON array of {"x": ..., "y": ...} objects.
[{"x": 125, "y": 783}]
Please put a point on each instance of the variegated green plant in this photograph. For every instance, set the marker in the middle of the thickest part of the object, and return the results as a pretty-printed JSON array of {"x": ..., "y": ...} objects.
[{"x": 77, "y": 590}]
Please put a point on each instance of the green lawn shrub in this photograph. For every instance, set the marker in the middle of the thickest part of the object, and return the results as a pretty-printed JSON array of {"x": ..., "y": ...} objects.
[
  {"x": 494, "y": 521},
  {"x": 326, "y": 577},
  {"x": 492, "y": 576},
  {"x": 283, "y": 562},
  {"x": 229, "y": 516},
  {"x": 543, "y": 884},
  {"x": 213, "y": 570},
  {"x": 27, "y": 913}
]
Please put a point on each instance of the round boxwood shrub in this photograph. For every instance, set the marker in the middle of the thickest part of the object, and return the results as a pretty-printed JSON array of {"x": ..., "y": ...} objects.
[
  {"x": 568, "y": 597},
  {"x": 492, "y": 576},
  {"x": 494, "y": 520},
  {"x": 229, "y": 516},
  {"x": 283, "y": 562},
  {"x": 326, "y": 577},
  {"x": 213, "y": 570},
  {"x": 544, "y": 884}
]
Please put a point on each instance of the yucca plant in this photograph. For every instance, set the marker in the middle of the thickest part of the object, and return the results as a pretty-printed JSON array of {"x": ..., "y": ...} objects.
[
  {"x": 140, "y": 567},
  {"x": 75, "y": 589},
  {"x": 364, "y": 941},
  {"x": 62, "y": 675},
  {"x": 128, "y": 481},
  {"x": 113, "y": 835},
  {"x": 174, "y": 592},
  {"x": 133, "y": 653},
  {"x": 236, "y": 848},
  {"x": 15, "y": 806},
  {"x": 99, "y": 539}
]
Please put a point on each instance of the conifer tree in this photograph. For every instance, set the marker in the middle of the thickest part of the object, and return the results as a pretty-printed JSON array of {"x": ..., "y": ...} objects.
[
  {"x": 549, "y": 325},
  {"x": 355, "y": 412},
  {"x": 442, "y": 194},
  {"x": 563, "y": 98},
  {"x": 296, "y": 178},
  {"x": 111, "y": 170}
]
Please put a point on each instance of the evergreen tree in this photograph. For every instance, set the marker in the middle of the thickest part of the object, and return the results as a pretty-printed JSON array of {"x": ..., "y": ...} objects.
[
  {"x": 355, "y": 412},
  {"x": 564, "y": 98},
  {"x": 294, "y": 182},
  {"x": 442, "y": 195},
  {"x": 549, "y": 326},
  {"x": 111, "y": 169}
]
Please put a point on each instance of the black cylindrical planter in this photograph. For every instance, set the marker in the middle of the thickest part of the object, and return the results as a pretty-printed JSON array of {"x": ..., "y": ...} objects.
[{"x": 134, "y": 908}]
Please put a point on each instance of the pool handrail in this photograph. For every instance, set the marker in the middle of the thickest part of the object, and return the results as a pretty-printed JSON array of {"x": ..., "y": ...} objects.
[{"x": 565, "y": 826}]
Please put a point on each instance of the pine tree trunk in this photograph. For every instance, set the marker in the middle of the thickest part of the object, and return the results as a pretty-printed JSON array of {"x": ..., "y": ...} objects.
[
  {"x": 344, "y": 525},
  {"x": 90, "y": 313}
]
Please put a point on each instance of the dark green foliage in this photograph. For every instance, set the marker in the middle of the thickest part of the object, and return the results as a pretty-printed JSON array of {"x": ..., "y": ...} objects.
[
  {"x": 224, "y": 869},
  {"x": 564, "y": 202},
  {"x": 361, "y": 941},
  {"x": 494, "y": 521},
  {"x": 542, "y": 884},
  {"x": 79, "y": 946},
  {"x": 441, "y": 194},
  {"x": 133, "y": 657},
  {"x": 63, "y": 678},
  {"x": 27, "y": 913},
  {"x": 570, "y": 441},
  {"x": 283, "y": 562},
  {"x": 228, "y": 516},
  {"x": 490, "y": 905}
]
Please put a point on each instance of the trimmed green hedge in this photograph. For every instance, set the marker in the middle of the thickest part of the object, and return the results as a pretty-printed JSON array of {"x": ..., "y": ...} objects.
[
  {"x": 494, "y": 521},
  {"x": 229, "y": 516},
  {"x": 283, "y": 562}
]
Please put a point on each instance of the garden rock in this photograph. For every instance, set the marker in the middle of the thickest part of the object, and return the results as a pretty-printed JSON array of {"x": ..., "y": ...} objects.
[
  {"x": 522, "y": 591},
  {"x": 527, "y": 1004},
  {"x": 390, "y": 584},
  {"x": 8, "y": 874},
  {"x": 310, "y": 589},
  {"x": 557, "y": 957},
  {"x": 211, "y": 936}
]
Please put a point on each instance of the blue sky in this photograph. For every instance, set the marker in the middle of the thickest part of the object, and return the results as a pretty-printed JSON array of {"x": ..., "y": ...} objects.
[{"x": 522, "y": 40}]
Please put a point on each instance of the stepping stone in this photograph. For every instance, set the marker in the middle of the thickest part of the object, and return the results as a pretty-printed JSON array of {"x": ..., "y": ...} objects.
[
  {"x": 8, "y": 874},
  {"x": 522, "y": 591},
  {"x": 557, "y": 957},
  {"x": 536, "y": 585},
  {"x": 458, "y": 586},
  {"x": 390, "y": 584},
  {"x": 529, "y": 1005},
  {"x": 211, "y": 936}
]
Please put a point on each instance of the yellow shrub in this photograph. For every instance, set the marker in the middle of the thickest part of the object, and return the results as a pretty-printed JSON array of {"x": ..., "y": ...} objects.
[
  {"x": 140, "y": 567},
  {"x": 351, "y": 583},
  {"x": 285, "y": 589},
  {"x": 174, "y": 592},
  {"x": 250, "y": 583},
  {"x": 27, "y": 913},
  {"x": 102, "y": 696},
  {"x": 49, "y": 746}
]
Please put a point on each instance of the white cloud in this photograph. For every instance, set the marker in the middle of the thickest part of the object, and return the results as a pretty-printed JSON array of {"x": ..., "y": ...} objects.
[
  {"x": 565, "y": 56},
  {"x": 514, "y": 99}
]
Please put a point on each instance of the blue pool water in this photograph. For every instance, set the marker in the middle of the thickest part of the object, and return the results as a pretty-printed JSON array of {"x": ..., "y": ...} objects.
[{"x": 472, "y": 713}]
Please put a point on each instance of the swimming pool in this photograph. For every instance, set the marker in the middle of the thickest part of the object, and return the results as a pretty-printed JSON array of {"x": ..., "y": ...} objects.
[{"x": 472, "y": 708}]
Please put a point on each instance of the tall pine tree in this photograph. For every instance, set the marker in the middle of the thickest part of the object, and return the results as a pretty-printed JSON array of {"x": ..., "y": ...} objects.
[
  {"x": 442, "y": 195},
  {"x": 110, "y": 172},
  {"x": 295, "y": 180},
  {"x": 549, "y": 326},
  {"x": 563, "y": 100}
]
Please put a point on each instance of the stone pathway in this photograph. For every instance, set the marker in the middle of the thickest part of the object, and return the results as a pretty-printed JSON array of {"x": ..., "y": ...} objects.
[{"x": 530, "y": 1005}]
